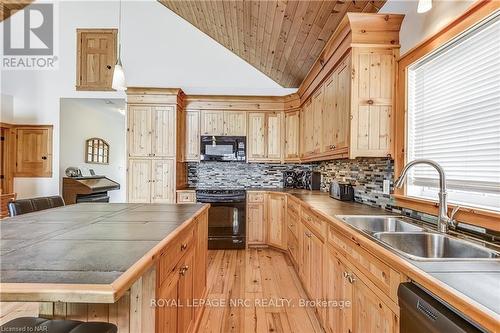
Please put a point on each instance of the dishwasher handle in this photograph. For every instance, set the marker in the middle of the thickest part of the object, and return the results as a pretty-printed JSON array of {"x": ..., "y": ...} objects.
[{"x": 422, "y": 312}]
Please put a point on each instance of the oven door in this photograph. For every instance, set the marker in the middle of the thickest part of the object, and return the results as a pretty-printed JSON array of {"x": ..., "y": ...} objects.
[{"x": 226, "y": 226}]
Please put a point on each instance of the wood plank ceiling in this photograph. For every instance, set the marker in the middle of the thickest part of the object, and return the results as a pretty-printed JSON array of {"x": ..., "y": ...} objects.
[
  {"x": 9, "y": 7},
  {"x": 281, "y": 38}
]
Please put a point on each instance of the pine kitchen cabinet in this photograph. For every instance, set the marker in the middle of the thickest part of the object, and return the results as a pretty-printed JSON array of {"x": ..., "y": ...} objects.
[
  {"x": 229, "y": 123},
  {"x": 151, "y": 181},
  {"x": 264, "y": 139},
  {"x": 192, "y": 153},
  {"x": 276, "y": 215},
  {"x": 292, "y": 136},
  {"x": 256, "y": 218}
]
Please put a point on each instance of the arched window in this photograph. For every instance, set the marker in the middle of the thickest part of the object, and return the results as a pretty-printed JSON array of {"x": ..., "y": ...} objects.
[{"x": 97, "y": 151}]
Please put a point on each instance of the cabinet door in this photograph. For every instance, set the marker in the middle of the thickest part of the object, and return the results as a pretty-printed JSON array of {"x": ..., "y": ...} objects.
[
  {"x": 292, "y": 135},
  {"x": 96, "y": 58},
  {"x": 212, "y": 122},
  {"x": 369, "y": 313},
  {"x": 330, "y": 114},
  {"x": 276, "y": 230},
  {"x": 34, "y": 152},
  {"x": 192, "y": 135},
  {"x": 200, "y": 265},
  {"x": 371, "y": 122},
  {"x": 166, "y": 316},
  {"x": 308, "y": 127},
  {"x": 163, "y": 185},
  {"x": 305, "y": 258},
  {"x": 256, "y": 140},
  {"x": 342, "y": 119},
  {"x": 256, "y": 222},
  {"x": 139, "y": 131},
  {"x": 317, "y": 115},
  {"x": 235, "y": 123},
  {"x": 337, "y": 288},
  {"x": 274, "y": 138},
  {"x": 316, "y": 270},
  {"x": 185, "y": 289},
  {"x": 163, "y": 121},
  {"x": 139, "y": 181}
]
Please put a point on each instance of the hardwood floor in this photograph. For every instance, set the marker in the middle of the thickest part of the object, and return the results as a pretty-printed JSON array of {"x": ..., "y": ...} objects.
[
  {"x": 264, "y": 283},
  {"x": 257, "y": 277}
]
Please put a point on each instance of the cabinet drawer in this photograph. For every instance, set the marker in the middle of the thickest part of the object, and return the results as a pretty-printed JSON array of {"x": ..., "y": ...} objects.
[
  {"x": 174, "y": 252},
  {"x": 316, "y": 224},
  {"x": 293, "y": 246},
  {"x": 381, "y": 274},
  {"x": 186, "y": 197},
  {"x": 293, "y": 223},
  {"x": 257, "y": 197}
]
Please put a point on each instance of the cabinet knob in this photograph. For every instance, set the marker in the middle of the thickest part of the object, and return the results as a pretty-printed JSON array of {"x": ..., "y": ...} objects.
[
  {"x": 183, "y": 270},
  {"x": 108, "y": 66},
  {"x": 370, "y": 102},
  {"x": 44, "y": 157},
  {"x": 351, "y": 278},
  {"x": 183, "y": 247},
  {"x": 308, "y": 234}
]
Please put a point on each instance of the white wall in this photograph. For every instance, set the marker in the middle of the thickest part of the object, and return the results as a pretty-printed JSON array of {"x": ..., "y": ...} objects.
[
  {"x": 82, "y": 119},
  {"x": 6, "y": 108},
  {"x": 418, "y": 27},
  {"x": 159, "y": 49}
]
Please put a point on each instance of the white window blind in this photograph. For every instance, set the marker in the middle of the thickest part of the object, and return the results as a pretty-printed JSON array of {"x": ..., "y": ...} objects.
[{"x": 454, "y": 118}]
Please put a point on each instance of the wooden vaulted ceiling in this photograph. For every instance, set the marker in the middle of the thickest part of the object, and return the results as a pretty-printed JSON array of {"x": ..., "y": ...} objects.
[
  {"x": 9, "y": 7},
  {"x": 281, "y": 38}
]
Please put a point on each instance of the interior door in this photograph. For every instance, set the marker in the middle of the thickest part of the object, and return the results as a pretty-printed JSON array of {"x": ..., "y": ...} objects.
[
  {"x": 34, "y": 152},
  {"x": 163, "y": 123}
]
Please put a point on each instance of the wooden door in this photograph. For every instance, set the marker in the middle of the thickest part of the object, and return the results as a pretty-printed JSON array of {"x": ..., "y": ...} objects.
[
  {"x": 212, "y": 122},
  {"x": 317, "y": 115},
  {"x": 164, "y": 129},
  {"x": 330, "y": 114},
  {"x": 256, "y": 223},
  {"x": 274, "y": 138},
  {"x": 256, "y": 139},
  {"x": 96, "y": 58},
  {"x": 167, "y": 316},
  {"x": 308, "y": 128},
  {"x": 192, "y": 135},
  {"x": 163, "y": 184},
  {"x": 34, "y": 151},
  {"x": 235, "y": 123},
  {"x": 342, "y": 122},
  {"x": 185, "y": 315},
  {"x": 372, "y": 102},
  {"x": 276, "y": 229},
  {"x": 369, "y": 313},
  {"x": 292, "y": 136},
  {"x": 337, "y": 288},
  {"x": 139, "y": 131},
  {"x": 139, "y": 181}
]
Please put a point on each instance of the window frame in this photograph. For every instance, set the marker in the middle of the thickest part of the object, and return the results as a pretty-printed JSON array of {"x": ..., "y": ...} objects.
[{"x": 471, "y": 215}]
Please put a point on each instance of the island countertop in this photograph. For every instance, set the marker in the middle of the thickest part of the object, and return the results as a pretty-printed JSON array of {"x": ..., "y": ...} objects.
[{"x": 91, "y": 252}]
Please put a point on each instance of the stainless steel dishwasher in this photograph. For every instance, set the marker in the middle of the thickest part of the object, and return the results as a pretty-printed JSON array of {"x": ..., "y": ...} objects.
[{"x": 421, "y": 312}]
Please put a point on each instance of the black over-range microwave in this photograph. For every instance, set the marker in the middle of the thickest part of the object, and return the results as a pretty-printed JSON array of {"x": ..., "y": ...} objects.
[{"x": 223, "y": 148}]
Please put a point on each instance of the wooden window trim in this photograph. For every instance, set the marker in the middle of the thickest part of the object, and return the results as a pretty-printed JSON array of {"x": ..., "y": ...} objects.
[{"x": 470, "y": 215}]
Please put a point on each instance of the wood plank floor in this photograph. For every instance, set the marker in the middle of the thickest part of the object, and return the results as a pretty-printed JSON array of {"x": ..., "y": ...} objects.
[
  {"x": 258, "y": 277},
  {"x": 249, "y": 291}
]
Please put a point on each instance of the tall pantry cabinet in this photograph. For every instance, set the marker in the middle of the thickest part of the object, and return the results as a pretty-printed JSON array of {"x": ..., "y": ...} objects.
[{"x": 155, "y": 124}]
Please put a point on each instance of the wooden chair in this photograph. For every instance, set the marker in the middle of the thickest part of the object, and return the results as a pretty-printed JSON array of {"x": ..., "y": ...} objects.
[{"x": 4, "y": 203}]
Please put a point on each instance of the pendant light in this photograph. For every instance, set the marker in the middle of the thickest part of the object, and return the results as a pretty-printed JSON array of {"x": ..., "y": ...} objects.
[
  {"x": 424, "y": 6},
  {"x": 118, "y": 73}
]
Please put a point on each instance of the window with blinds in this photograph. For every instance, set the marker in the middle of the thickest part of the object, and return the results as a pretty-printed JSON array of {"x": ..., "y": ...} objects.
[{"x": 454, "y": 118}]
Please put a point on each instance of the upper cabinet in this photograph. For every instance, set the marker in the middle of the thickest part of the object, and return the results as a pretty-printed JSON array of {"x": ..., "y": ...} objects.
[
  {"x": 265, "y": 137},
  {"x": 96, "y": 58},
  {"x": 192, "y": 135},
  {"x": 33, "y": 151},
  {"x": 229, "y": 123},
  {"x": 349, "y": 94},
  {"x": 151, "y": 131},
  {"x": 292, "y": 136}
]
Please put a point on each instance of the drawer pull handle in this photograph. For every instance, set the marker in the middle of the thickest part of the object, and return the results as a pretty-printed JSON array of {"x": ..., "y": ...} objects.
[
  {"x": 183, "y": 270},
  {"x": 308, "y": 234},
  {"x": 183, "y": 247}
]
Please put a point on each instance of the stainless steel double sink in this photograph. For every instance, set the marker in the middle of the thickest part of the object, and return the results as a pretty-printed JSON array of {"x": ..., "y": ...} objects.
[{"x": 416, "y": 242}]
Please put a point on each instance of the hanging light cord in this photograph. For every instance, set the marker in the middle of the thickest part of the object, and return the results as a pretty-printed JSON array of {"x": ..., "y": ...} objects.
[{"x": 120, "y": 32}]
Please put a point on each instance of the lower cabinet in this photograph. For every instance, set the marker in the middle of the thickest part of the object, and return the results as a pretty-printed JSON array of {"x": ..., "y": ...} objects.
[
  {"x": 366, "y": 313},
  {"x": 182, "y": 280},
  {"x": 151, "y": 181},
  {"x": 276, "y": 235},
  {"x": 256, "y": 218},
  {"x": 312, "y": 265}
]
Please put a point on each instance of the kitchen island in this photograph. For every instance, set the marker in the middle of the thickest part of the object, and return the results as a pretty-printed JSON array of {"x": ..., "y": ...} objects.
[{"x": 105, "y": 262}]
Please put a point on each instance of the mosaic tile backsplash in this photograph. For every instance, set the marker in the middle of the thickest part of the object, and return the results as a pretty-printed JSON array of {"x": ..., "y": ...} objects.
[{"x": 232, "y": 175}]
